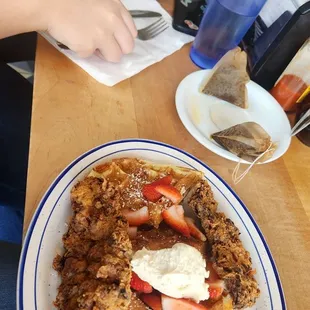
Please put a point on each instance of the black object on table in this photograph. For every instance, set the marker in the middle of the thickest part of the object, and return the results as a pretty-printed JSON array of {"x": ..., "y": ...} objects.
[
  {"x": 270, "y": 54},
  {"x": 187, "y": 15}
]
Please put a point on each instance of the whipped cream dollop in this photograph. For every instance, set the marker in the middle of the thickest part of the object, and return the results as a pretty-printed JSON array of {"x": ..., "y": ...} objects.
[{"x": 178, "y": 272}]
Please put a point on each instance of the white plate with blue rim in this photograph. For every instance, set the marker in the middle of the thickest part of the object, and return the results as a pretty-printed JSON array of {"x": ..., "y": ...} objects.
[
  {"x": 37, "y": 281},
  {"x": 202, "y": 115}
]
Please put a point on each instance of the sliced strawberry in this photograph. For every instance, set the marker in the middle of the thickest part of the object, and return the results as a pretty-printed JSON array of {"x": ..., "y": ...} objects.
[
  {"x": 152, "y": 300},
  {"x": 149, "y": 191},
  {"x": 216, "y": 285},
  {"x": 136, "y": 218},
  {"x": 174, "y": 217},
  {"x": 213, "y": 277},
  {"x": 169, "y": 303},
  {"x": 163, "y": 181},
  {"x": 194, "y": 231},
  {"x": 170, "y": 192},
  {"x": 215, "y": 291},
  {"x": 139, "y": 285},
  {"x": 132, "y": 232}
]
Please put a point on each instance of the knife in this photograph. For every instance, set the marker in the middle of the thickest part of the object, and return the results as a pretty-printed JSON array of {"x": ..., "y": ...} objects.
[{"x": 140, "y": 14}]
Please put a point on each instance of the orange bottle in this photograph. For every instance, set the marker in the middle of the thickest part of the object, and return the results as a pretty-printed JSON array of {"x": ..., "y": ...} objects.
[
  {"x": 288, "y": 90},
  {"x": 294, "y": 80}
]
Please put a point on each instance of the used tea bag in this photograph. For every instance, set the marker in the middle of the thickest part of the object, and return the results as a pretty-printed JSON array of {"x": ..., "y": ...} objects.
[
  {"x": 247, "y": 140},
  {"x": 228, "y": 79}
]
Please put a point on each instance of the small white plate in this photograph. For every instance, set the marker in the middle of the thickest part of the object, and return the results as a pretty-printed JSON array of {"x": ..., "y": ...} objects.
[
  {"x": 203, "y": 115},
  {"x": 37, "y": 281}
]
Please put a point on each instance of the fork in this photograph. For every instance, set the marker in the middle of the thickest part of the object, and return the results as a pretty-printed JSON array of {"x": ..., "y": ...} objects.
[{"x": 153, "y": 30}]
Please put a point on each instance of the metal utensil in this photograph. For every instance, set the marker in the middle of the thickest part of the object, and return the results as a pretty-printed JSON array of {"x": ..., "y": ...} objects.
[
  {"x": 301, "y": 124},
  {"x": 153, "y": 30},
  {"x": 145, "y": 14}
]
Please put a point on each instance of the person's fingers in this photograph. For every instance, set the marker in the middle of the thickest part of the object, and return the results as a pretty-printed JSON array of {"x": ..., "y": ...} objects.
[
  {"x": 98, "y": 53},
  {"x": 124, "y": 38},
  {"x": 110, "y": 49},
  {"x": 85, "y": 53},
  {"x": 129, "y": 22},
  {"x": 84, "y": 49}
]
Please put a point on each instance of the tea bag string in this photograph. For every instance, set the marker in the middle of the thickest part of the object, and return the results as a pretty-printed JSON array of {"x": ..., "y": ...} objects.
[{"x": 236, "y": 179}]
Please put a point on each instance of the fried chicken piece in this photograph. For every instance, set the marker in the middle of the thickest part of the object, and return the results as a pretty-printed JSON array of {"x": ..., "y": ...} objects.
[
  {"x": 117, "y": 244},
  {"x": 58, "y": 263},
  {"x": 75, "y": 244},
  {"x": 243, "y": 289},
  {"x": 222, "y": 227},
  {"x": 113, "y": 269},
  {"x": 230, "y": 260},
  {"x": 95, "y": 214},
  {"x": 231, "y": 256},
  {"x": 95, "y": 267},
  {"x": 97, "y": 296},
  {"x": 202, "y": 200},
  {"x": 73, "y": 266},
  {"x": 85, "y": 193}
]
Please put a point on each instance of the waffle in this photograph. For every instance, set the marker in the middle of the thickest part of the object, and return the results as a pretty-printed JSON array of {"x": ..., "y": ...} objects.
[
  {"x": 130, "y": 174},
  {"x": 95, "y": 267}
]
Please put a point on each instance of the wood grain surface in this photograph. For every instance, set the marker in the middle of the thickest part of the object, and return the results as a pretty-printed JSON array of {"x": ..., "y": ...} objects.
[{"x": 73, "y": 113}]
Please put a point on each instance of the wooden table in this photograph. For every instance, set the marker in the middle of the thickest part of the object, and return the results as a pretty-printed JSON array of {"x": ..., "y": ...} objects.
[{"x": 73, "y": 113}]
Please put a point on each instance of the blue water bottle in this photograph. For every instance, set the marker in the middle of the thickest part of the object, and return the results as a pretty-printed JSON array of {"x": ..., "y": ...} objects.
[{"x": 224, "y": 24}]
